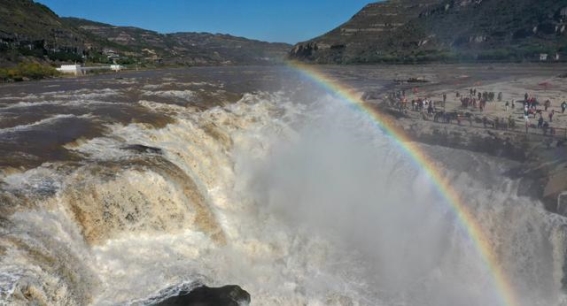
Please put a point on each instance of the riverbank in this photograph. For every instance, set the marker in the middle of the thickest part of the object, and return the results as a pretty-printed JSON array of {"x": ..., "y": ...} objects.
[{"x": 498, "y": 129}]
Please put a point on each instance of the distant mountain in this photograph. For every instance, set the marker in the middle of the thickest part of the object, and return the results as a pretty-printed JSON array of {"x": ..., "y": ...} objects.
[
  {"x": 444, "y": 30},
  {"x": 181, "y": 48},
  {"x": 29, "y": 30}
]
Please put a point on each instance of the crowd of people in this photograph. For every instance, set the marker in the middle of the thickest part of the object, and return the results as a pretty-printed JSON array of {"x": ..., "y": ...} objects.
[
  {"x": 476, "y": 102},
  {"x": 531, "y": 107}
]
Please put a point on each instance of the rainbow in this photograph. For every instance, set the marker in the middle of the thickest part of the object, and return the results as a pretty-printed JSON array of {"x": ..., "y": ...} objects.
[{"x": 470, "y": 225}]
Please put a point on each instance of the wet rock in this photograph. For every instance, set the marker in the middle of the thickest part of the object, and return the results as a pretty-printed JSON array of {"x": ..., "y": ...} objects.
[
  {"x": 555, "y": 192},
  {"x": 371, "y": 95},
  {"x": 138, "y": 148},
  {"x": 231, "y": 295}
]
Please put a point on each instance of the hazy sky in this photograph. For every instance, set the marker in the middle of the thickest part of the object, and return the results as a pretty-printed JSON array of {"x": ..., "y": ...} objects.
[{"x": 288, "y": 21}]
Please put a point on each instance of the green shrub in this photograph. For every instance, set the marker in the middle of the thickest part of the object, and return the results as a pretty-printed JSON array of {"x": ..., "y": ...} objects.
[
  {"x": 3, "y": 74},
  {"x": 33, "y": 71},
  {"x": 65, "y": 56},
  {"x": 36, "y": 71}
]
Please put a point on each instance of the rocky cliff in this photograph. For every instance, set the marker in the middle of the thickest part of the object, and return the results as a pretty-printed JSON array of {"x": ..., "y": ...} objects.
[
  {"x": 444, "y": 30},
  {"x": 32, "y": 29}
]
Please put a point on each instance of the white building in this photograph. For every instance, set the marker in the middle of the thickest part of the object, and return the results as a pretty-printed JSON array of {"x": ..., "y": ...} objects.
[
  {"x": 543, "y": 57},
  {"x": 115, "y": 67},
  {"x": 71, "y": 69}
]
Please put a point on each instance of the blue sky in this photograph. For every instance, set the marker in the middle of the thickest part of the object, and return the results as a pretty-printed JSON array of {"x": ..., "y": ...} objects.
[{"x": 288, "y": 21}]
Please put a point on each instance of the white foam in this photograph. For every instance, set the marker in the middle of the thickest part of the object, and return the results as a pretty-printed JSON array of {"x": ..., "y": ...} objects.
[
  {"x": 186, "y": 95},
  {"x": 35, "y": 181},
  {"x": 41, "y": 122},
  {"x": 81, "y": 94},
  {"x": 85, "y": 94},
  {"x": 101, "y": 148}
]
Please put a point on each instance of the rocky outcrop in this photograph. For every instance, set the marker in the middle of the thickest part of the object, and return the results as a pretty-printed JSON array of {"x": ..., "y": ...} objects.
[
  {"x": 500, "y": 144},
  {"x": 205, "y": 296},
  {"x": 555, "y": 189},
  {"x": 542, "y": 168}
]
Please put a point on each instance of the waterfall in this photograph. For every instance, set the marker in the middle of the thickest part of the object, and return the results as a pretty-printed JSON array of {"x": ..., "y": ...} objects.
[{"x": 300, "y": 202}]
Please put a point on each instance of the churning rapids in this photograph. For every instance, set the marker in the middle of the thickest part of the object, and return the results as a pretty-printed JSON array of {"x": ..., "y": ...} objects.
[{"x": 124, "y": 191}]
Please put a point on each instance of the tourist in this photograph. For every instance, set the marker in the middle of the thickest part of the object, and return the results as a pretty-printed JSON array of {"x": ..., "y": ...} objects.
[
  {"x": 540, "y": 122},
  {"x": 513, "y": 103},
  {"x": 526, "y": 97},
  {"x": 500, "y": 96},
  {"x": 527, "y": 120},
  {"x": 546, "y": 104},
  {"x": 551, "y": 115},
  {"x": 507, "y": 105},
  {"x": 563, "y": 106},
  {"x": 526, "y": 110}
]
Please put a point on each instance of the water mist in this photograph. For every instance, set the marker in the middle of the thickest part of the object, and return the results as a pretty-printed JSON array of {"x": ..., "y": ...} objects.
[{"x": 346, "y": 180}]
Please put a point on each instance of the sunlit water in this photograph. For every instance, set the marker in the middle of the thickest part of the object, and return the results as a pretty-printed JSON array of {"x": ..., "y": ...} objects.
[{"x": 283, "y": 190}]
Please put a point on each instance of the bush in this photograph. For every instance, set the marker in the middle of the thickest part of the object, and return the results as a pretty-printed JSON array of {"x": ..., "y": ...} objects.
[
  {"x": 65, "y": 56},
  {"x": 126, "y": 61},
  {"x": 36, "y": 71},
  {"x": 3, "y": 74},
  {"x": 33, "y": 71}
]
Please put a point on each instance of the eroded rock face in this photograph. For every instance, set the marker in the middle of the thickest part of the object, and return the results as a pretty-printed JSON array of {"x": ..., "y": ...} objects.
[
  {"x": 231, "y": 295},
  {"x": 304, "y": 51}
]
